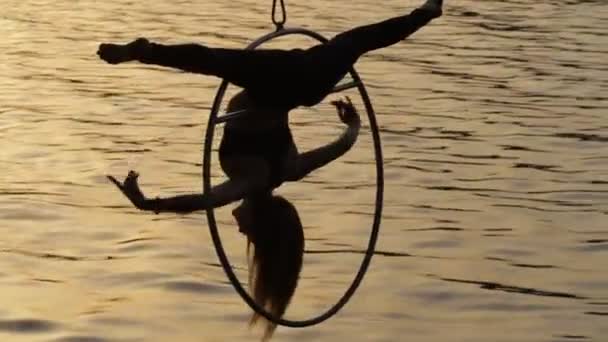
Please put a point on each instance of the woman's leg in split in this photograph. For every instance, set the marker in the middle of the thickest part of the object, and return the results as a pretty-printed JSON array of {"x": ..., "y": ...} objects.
[
  {"x": 249, "y": 69},
  {"x": 363, "y": 39}
]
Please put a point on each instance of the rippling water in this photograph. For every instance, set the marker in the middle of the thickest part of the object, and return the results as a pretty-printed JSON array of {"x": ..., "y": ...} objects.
[{"x": 496, "y": 143}]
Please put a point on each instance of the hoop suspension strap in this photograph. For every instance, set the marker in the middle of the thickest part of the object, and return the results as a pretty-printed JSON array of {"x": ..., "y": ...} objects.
[{"x": 279, "y": 24}]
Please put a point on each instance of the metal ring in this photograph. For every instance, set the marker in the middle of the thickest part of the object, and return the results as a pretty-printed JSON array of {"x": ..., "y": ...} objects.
[{"x": 378, "y": 207}]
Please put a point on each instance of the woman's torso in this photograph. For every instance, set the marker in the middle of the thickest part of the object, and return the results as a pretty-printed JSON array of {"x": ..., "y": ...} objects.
[{"x": 261, "y": 134}]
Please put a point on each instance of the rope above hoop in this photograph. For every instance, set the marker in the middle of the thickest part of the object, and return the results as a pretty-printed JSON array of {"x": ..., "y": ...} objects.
[{"x": 214, "y": 120}]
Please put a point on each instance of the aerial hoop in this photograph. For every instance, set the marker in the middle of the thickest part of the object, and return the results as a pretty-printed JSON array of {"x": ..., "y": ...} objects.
[{"x": 214, "y": 120}]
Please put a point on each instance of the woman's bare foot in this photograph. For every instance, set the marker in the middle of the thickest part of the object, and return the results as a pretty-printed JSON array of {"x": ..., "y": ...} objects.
[
  {"x": 117, "y": 53},
  {"x": 433, "y": 6}
]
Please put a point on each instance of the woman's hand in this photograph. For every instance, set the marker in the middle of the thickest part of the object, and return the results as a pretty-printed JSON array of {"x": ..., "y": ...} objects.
[
  {"x": 347, "y": 112},
  {"x": 130, "y": 189},
  {"x": 117, "y": 53}
]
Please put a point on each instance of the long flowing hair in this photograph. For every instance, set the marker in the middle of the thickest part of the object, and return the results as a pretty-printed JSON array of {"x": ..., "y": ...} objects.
[{"x": 275, "y": 249}]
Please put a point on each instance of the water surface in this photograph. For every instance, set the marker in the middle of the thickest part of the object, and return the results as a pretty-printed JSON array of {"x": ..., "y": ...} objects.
[{"x": 496, "y": 144}]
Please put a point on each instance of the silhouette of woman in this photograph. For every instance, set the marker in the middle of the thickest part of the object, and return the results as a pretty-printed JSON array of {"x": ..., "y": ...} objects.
[
  {"x": 258, "y": 156},
  {"x": 277, "y": 78}
]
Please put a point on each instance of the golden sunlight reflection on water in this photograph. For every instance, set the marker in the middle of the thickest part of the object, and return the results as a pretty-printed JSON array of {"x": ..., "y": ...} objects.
[{"x": 495, "y": 140}]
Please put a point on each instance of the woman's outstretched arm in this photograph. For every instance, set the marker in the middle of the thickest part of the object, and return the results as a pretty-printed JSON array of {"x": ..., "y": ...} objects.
[
  {"x": 309, "y": 161},
  {"x": 220, "y": 195}
]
